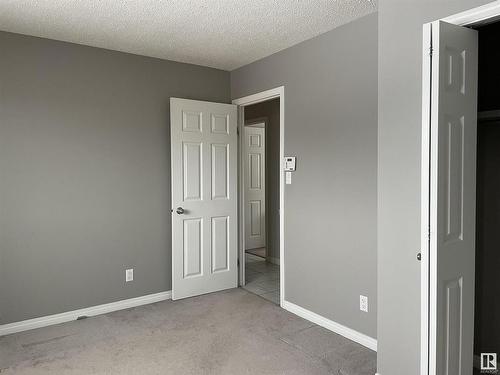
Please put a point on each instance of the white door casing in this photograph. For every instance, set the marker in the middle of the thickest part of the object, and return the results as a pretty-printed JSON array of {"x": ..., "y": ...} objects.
[
  {"x": 278, "y": 92},
  {"x": 255, "y": 187},
  {"x": 204, "y": 186},
  {"x": 453, "y": 119}
]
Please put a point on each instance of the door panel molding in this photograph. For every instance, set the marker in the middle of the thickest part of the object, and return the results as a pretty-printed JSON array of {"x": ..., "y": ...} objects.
[
  {"x": 192, "y": 179},
  {"x": 192, "y": 247},
  {"x": 220, "y": 244},
  {"x": 220, "y": 171}
]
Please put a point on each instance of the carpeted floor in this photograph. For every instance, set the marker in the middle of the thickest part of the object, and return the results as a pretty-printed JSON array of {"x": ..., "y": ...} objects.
[{"x": 231, "y": 332}]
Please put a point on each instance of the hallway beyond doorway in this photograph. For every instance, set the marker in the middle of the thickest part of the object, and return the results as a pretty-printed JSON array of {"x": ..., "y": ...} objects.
[
  {"x": 260, "y": 252},
  {"x": 262, "y": 278}
]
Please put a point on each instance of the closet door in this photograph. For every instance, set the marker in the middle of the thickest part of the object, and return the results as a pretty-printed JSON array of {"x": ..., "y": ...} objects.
[{"x": 452, "y": 198}]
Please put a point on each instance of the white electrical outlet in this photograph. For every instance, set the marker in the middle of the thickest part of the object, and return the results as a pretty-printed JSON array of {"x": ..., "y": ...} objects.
[
  {"x": 363, "y": 303},
  {"x": 129, "y": 275}
]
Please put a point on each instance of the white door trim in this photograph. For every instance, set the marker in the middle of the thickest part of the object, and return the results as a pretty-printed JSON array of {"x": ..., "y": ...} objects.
[
  {"x": 425, "y": 191},
  {"x": 278, "y": 92},
  {"x": 473, "y": 17},
  {"x": 476, "y": 16}
]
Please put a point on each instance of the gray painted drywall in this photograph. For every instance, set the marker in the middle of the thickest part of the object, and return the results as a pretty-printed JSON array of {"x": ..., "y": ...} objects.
[
  {"x": 330, "y": 207},
  {"x": 270, "y": 110},
  {"x": 85, "y": 172},
  {"x": 399, "y": 142}
]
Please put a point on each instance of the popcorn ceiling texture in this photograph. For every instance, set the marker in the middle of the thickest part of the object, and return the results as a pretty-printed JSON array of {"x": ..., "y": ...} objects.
[{"x": 224, "y": 34}]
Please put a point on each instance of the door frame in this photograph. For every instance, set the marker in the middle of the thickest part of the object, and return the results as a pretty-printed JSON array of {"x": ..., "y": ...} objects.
[
  {"x": 278, "y": 92},
  {"x": 473, "y": 17}
]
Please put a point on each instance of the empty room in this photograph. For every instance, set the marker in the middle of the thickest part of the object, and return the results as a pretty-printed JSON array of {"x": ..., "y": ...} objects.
[{"x": 249, "y": 187}]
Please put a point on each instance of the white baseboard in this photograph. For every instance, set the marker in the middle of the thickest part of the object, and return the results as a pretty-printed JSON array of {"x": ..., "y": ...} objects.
[
  {"x": 349, "y": 333},
  {"x": 49, "y": 320},
  {"x": 273, "y": 260}
]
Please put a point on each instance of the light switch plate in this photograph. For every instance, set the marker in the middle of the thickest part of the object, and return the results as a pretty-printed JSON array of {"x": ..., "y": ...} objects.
[{"x": 129, "y": 275}]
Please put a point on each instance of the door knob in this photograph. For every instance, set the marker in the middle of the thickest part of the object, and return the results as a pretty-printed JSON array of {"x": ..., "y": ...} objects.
[
  {"x": 419, "y": 256},
  {"x": 179, "y": 210}
]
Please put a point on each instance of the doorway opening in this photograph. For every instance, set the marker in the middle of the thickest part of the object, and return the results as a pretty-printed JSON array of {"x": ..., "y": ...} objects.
[
  {"x": 261, "y": 164},
  {"x": 261, "y": 190},
  {"x": 487, "y": 257}
]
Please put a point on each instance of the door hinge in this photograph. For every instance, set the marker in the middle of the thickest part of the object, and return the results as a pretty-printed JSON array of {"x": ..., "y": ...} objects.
[
  {"x": 431, "y": 50},
  {"x": 428, "y": 234},
  {"x": 238, "y": 262}
]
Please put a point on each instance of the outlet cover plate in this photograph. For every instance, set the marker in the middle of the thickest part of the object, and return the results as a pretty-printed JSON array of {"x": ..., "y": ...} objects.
[{"x": 363, "y": 303}]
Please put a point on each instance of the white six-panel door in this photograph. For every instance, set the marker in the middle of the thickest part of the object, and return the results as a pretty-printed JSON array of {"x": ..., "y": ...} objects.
[
  {"x": 452, "y": 198},
  {"x": 255, "y": 187},
  {"x": 204, "y": 197}
]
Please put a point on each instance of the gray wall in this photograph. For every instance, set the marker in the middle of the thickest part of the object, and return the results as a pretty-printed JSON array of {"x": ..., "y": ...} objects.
[
  {"x": 85, "y": 172},
  {"x": 271, "y": 111},
  {"x": 399, "y": 111},
  {"x": 330, "y": 208}
]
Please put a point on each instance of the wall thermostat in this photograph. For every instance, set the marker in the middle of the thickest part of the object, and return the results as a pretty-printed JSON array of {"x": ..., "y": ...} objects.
[{"x": 290, "y": 163}]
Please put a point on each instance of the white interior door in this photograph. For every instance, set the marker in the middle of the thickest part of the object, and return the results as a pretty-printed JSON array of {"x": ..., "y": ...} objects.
[
  {"x": 452, "y": 198},
  {"x": 255, "y": 187},
  {"x": 204, "y": 197}
]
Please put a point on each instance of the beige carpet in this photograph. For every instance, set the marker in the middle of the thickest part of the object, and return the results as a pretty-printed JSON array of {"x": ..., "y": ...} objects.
[{"x": 232, "y": 332}]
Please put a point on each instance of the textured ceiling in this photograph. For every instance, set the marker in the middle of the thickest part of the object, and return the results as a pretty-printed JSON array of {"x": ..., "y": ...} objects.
[{"x": 224, "y": 34}]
